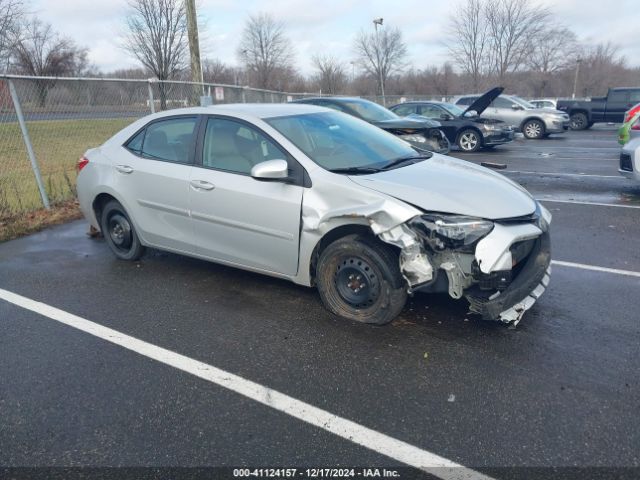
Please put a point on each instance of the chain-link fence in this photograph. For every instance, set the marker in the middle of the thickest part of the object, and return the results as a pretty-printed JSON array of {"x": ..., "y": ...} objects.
[{"x": 47, "y": 123}]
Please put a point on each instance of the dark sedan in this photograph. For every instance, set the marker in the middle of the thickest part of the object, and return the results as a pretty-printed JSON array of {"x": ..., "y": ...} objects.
[
  {"x": 463, "y": 128},
  {"x": 420, "y": 132}
]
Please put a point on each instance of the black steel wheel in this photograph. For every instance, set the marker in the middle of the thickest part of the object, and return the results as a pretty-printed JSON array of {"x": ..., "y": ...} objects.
[
  {"x": 119, "y": 232},
  {"x": 359, "y": 279}
]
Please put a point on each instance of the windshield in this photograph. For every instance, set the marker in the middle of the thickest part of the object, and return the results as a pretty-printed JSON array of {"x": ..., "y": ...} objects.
[
  {"x": 523, "y": 102},
  {"x": 369, "y": 111},
  {"x": 452, "y": 109},
  {"x": 337, "y": 141}
]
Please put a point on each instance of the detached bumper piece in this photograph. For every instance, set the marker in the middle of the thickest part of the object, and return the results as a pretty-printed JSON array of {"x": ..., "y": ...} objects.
[{"x": 528, "y": 285}]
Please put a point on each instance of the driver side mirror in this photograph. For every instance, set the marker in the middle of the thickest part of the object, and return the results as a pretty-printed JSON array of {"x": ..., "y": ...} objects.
[
  {"x": 515, "y": 106},
  {"x": 445, "y": 116},
  {"x": 271, "y": 171}
]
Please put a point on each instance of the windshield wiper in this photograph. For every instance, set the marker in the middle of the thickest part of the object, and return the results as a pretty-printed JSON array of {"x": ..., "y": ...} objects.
[
  {"x": 402, "y": 160},
  {"x": 355, "y": 170}
]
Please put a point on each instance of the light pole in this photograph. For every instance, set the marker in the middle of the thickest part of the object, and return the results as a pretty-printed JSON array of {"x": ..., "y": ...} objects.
[
  {"x": 575, "y": 79},
  {"x": 376, "y": 22}
]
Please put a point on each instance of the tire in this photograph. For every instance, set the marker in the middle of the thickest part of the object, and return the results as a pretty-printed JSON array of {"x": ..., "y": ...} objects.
[
  {"x": 359, "y": 279},
  {"x": 579, "y": 121},
  {"x": 533, "y": 129},
  {"x": 119, "y": 232},
  {"x": 469, "y": 140}
]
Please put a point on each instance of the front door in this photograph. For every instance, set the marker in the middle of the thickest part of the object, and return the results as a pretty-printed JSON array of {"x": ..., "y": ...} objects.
[{"x": 239, "y": 219}]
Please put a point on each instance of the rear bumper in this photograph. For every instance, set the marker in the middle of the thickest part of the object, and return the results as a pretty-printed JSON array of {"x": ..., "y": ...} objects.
[{"x": 510, "y": 304}]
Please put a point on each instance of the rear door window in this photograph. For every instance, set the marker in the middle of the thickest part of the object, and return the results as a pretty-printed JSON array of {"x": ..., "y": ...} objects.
[{"x": 171, "y": 140}]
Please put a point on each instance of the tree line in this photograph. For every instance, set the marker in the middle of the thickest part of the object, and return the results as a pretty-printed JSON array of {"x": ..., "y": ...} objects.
[{"x": 514, "y": 43}]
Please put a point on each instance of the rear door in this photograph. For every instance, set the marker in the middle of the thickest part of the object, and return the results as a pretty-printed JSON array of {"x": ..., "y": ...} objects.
[
  {"x": 617, "y": 103},
  {"x": 152, "y": 173},
  {"x": 238, "y": 219}
]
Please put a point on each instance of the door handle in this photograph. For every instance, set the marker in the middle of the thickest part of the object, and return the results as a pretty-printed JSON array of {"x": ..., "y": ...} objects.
[
  {"x": 124, "y": 168},
  {"x": 202, "y": 185}
]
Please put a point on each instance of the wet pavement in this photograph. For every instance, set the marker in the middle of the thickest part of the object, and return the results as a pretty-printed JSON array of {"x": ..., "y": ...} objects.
[{"x": 561, "y": 390}]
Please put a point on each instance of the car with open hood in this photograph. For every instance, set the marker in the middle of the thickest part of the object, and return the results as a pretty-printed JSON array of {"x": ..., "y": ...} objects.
[
  {"x": 420, "y": 132},
  {"x": 322, "y": 199},
  {"x": 533, "y": 122},
  {"x": 463, "y": 127}
]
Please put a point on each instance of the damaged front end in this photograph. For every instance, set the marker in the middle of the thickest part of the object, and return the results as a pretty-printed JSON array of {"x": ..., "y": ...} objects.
[{"x": 501, "y": 267}]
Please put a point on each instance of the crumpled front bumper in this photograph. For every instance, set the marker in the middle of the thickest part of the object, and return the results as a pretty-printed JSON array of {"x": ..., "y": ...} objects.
[{"x": 530, "y": 283}]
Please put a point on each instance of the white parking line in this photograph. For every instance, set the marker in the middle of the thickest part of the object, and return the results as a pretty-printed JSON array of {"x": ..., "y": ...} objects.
[
  {"x": 564, "y": 174},
  {"x": 628, "y": 273},
  {"x": 576, "y": 202},
  {"x": 378, "y": 442}
]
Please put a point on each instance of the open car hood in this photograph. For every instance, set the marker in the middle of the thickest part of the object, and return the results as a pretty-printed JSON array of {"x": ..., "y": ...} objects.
[
  {"x": 481, "y": 104},
  {"x": 448, "y": 185}
]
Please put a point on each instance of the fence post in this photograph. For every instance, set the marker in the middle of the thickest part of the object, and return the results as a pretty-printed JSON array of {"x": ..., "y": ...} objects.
[
  {"x": 27, "y": 143},
  {"x": 151, "y": 104},
  {"x": 244, "y": 94}
]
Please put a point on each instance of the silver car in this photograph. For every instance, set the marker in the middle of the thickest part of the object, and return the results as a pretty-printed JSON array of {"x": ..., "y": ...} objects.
[
  {"x": 630, "y": 159},
  {"x": 323, "y": 199},
  {"x": 533, "y": 122}
]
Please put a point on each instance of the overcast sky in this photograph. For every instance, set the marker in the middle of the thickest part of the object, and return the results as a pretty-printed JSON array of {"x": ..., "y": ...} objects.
[{"x": 328, "y": 26}]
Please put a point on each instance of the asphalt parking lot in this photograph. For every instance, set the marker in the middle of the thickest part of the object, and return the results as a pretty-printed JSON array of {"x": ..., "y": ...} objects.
[{"x": 561, "y": 390}]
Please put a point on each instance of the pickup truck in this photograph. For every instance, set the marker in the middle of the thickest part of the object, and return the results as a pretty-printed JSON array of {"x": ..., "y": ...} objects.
[{"x": 584, "y": 113}]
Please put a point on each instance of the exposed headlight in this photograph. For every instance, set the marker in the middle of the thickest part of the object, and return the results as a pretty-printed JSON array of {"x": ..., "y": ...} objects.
[
  {"x": 492, "y": 127},
  {"x": 451, "y": 231},
  {"x": 413, "y": 138}
]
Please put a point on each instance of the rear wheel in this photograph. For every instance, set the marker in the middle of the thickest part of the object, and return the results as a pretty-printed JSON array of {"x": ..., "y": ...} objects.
[
  {"x": 579, "y": 121},
  {"x": 359, "y": 279},
  {"x": 119, "y": 232},
  {"x": 469, "y": 141},
  {"x": 533, "y": 129}
]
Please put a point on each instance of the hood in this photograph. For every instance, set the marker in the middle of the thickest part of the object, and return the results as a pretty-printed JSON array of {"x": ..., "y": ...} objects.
[
  {"x": 448, "y": 185},
  {"x": 412, "y": 122},
  {"x": 481, "y": 104}
]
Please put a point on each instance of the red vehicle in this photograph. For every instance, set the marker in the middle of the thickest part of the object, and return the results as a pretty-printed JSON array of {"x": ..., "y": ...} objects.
[{"x": 629, "y": 114}]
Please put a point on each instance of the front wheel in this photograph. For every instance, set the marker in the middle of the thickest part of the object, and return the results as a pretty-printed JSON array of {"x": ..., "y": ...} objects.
[
  {"x": 119, "y": 233},
  {"x": 359, "y": 279},
  {"x": 533, "y": 129},
  {"x": 469, "y": 141}
]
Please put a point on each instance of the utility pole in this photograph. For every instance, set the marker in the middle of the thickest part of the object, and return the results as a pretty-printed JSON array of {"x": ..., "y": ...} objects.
[
  {"x": 376, "y": 22},
  {"x": 194, "y": 44},
  {"x": 575, "y": 79}
]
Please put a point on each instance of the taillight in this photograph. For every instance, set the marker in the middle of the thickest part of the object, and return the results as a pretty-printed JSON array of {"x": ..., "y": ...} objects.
[
  {"x": 82, "y": 163},
  {"x": 636, "y": 126}
]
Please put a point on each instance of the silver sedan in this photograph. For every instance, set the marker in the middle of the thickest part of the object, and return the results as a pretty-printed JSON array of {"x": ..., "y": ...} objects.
[{"x": 322, "y": 199}]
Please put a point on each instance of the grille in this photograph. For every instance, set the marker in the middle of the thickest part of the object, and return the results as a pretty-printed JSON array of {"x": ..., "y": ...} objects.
[{"x": 625, "y": 162}]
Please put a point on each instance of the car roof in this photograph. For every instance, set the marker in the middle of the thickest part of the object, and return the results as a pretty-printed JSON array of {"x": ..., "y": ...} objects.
[{"x": 258, "y": 110}]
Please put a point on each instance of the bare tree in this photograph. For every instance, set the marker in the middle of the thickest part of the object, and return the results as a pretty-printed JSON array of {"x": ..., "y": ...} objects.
[
  {"x": 332, "y": 76},
  {"x": 555, "y": 50},
  {"x": 41, "y": 51},
  {"x": 514, "y": 27},
  {"x": 381, "y": 53},
  {"x": 11, "y": 14},
  {"x": 469, "y": 39},
  {"x": 157, "y": 37},
  {"x": 602, "y": 67},
  {"x": 264, "y": 49}
]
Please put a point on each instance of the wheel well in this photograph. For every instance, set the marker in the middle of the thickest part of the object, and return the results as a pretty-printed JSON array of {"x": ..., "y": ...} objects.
[
  {"x": 469, "y": 128},
  {"x": 98, "y": 204},
  {"x": 332, "y": 236},
  {"x": 532, "y": 118},
  {"x": 580, "y": 110}
]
